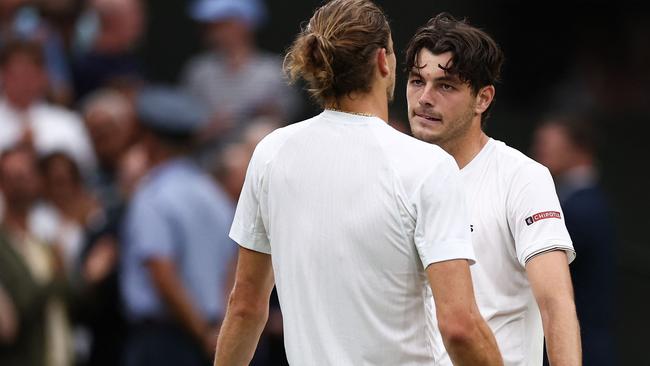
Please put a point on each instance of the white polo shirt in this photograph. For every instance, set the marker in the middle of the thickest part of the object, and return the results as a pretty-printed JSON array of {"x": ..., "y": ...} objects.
[
  {"x": 352, "y": 211},
  {"x": 515, "y": 214}
]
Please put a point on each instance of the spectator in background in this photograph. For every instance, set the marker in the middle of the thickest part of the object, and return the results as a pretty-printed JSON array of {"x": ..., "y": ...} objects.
[
  {"x": 133, "y": 167},
  {"x": 230, "y": 171},
  {"x": 176, "y": 254},
  {"x": 566, "y": 145},
  {"x": 114, "y": 28},
  {"x": 29, "y": 273},
  {"x": 110, "y": 120},
  {"x": 30, "y": 21},
  {"x": 235, "y": 79},
  {"x": 68, "y": 209},
  {"x": 230, "y": 165},
  {"x": 26, "y": 118},
  {"x": 62, "y": 219}
]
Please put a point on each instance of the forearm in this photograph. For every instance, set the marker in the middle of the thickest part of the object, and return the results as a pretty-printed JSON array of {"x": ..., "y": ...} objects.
[
  {"x": 479, "y": 348},
  {"x": 184, "y": 310},
  {"x": 248, "y": 309},
  {"x": 239, "y": 334},
  {"x": 550, "y": 281},
  {"x": 172, "y": 291},
  {"x": 562, "y": 333},
  {"x": 466, "y": 335}
]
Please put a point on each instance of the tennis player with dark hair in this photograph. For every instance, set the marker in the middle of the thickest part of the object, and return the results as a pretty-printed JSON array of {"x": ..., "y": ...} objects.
[
  {"x": 522, "y": 281},
  {"x": 350, "y": 217}
]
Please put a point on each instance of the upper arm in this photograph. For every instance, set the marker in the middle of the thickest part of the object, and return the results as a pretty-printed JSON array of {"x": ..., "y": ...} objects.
[
  {"x": 534, "y": 214},
  {"x": 549, "y": 277},
  {"x": 149, "y": 229},
  {"x": 253, "y": 279},
  {"x": 442, "y": 229},
  {"x": 248, "y": 228}
]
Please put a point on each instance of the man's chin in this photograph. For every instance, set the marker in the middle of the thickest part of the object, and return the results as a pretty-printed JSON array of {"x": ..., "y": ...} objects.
[{"x": 424, "y": 135}]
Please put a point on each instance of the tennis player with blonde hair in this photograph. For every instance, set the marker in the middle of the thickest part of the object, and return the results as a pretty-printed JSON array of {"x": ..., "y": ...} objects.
[{"x": 352, "y": 220}]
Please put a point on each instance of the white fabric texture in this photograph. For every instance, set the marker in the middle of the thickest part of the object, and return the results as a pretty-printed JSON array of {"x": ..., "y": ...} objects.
[
  {"x": 352, "y": 211},
  {"x": 504, "y": 188}
]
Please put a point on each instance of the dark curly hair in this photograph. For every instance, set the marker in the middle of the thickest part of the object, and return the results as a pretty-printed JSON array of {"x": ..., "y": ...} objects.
[{"x": 476, "y": 58}]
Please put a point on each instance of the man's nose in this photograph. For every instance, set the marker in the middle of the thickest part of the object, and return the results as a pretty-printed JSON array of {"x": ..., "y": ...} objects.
[{"x": 426, "y": 98}]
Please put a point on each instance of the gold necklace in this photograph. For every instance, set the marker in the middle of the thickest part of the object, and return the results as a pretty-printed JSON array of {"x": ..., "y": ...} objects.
[{"x": 350, "y": 112}]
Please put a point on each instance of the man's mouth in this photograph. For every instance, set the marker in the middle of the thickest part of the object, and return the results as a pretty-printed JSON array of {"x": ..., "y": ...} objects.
[{"x": 429, "y": 117}]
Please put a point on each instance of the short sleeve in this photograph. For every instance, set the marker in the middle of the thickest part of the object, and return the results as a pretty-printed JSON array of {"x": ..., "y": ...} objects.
[
  {"x": 535, "y": 216},
  {"x": 149, "y": 231},
  {"x": 442, "y": 228},
  {"x": 248, "y": 228}
]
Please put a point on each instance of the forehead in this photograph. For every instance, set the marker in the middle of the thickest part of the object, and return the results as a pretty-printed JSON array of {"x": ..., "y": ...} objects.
[{"x": 428, "y": 64}]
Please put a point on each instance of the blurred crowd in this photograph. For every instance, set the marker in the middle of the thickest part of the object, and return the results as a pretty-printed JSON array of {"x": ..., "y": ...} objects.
[{"x": 117, "y": 192}]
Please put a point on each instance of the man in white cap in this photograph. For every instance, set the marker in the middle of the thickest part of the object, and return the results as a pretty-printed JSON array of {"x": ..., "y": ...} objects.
[{"x": 235, "y": 79}]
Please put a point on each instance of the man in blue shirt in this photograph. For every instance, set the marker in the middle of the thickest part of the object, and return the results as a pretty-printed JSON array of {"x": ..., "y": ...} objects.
[{"x": 177, "y": 254}]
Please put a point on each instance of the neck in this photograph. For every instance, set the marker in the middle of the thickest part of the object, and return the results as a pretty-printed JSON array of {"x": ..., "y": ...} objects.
[
  {"x": 238, "y": 55},
  {"x": 160, "y": 156},
  {"x": 374, "y": 104},
  {"x": 465, "y": 149}
]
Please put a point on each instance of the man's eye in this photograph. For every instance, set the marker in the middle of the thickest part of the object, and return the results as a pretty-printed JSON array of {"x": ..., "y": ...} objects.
[
  {"x": 416, "y": 82},
  {"x": 446, "y": 87}
]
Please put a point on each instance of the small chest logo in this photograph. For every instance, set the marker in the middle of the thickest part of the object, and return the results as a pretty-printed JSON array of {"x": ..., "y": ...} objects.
[{"x": 541, "y": 216}]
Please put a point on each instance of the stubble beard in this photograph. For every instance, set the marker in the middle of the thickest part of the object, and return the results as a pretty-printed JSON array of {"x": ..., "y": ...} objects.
[{"x": 448, "y": 139}]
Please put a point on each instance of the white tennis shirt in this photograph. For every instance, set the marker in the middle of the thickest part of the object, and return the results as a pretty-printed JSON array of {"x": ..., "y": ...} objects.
[
  {"x": 515, "y": 214},
  {"x": 351, "y": 211}
]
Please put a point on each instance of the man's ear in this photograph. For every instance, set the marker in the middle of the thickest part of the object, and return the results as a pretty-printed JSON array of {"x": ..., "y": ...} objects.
[
  {"x": 382, "y": 62},
  {"x": 484, "y": 98}
]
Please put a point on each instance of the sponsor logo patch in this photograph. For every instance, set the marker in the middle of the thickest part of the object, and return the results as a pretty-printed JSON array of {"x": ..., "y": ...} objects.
[{"x": 541, "y": 216}]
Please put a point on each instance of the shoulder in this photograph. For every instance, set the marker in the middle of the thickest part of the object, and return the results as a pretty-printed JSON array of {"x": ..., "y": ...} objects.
[
  {"x": 267, "y": 59},
  {"x": 55, "y": 115},
  {"x": 515, "y": 165},
  {"x": 414, "y": 151},
  {"x": 511, "y": 156},
  {"x": 268, "y": 147},
  {"x": 201, "y": 63},
  {"x": 413, "y": 160}
]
